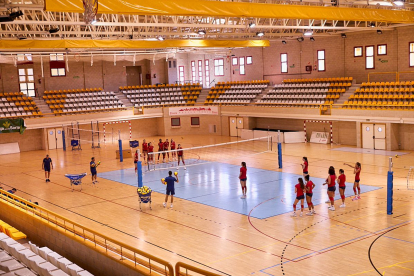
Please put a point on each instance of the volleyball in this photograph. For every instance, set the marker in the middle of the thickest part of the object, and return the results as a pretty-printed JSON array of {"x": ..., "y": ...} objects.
[
  {"x": 396, "y": 156},
  {"x": 99, "y": 162},
  {"x": 176, "y": 173},
  {"x": 163, "y": 181}
]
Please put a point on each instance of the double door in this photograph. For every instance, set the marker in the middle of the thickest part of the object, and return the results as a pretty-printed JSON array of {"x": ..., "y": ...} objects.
[
  {"x": 373, "y": 136},
  {"x": 54, "y": 138},
  {"x": 236, "y": 125}
]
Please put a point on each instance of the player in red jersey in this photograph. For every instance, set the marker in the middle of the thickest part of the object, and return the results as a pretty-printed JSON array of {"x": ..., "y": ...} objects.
[
  {"x": 160, "y": 149},
  {"x": 299, "y": 190},
  {"x": 180, "y": 154},
  {"x": 150, "y": 151},
  {"x": 341, "y": 181},
  {"x": 305, "y": 166},
  {"x": 330, "y": 181},
  {"x": 173, "y": 153},
  {"x": 309, "y": 193},
  {"x": 357, "y": 171},
  {"x": 243, "y": 179},
  {"x": 144, "y": 149},
  {"x": 136, "y": 161},
  {"x": 166, "y": 146}
]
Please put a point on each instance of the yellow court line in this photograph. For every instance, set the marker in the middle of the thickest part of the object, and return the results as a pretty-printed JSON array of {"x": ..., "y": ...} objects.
[
  {"x": 405, "y": 267},
  {"x": 388, "y": 266}
]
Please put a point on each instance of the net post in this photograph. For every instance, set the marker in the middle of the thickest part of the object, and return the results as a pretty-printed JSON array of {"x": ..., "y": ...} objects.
[
  {"x": 121, "y": 157},
  {"x": 63, "y": 140},
  {"x": 139, "y": 170},
  {"x": 390, "y": 184},
  {"x": 279, "y": 150}
]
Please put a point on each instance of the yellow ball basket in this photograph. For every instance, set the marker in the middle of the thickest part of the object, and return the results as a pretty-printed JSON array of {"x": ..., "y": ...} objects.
[{"x": 144, "y": 196}]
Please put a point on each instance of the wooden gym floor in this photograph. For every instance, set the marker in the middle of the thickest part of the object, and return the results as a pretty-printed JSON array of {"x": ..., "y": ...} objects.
[{"x": 354, "y": 240}]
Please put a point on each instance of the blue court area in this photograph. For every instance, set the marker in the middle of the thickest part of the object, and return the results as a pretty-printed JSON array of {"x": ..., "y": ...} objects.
[{"x": 269, "y": 193}]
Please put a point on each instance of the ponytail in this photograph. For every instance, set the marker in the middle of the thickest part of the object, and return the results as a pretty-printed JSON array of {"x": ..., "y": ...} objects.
[
  {"x": 244, "y": 164},
  {"x": 302, "y": 185}
]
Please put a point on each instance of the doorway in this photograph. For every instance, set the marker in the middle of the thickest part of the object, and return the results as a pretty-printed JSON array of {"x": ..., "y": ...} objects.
[
  {"x": 236, "y": 125},
  {"x": 54, "y": 138},
  {"x": 373, "y": 136}
]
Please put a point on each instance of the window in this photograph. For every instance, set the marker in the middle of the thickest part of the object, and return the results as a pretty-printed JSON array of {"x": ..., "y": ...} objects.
[
  {"x": 382, "y": 50},
  {"x": 175, "y": 122},
  {"x": 181, "y": 74},
  {"x": 242, "y": 66},
  {"x": 358, "y": 51},
  {"x": 283, "y": 63},
  {"x": 57, "y": 65},
  {"x": 219, "y": 67},
  {"x": 369, "y": 57},
  {"x": 207, "y": 72},
  {"x": 24, "y": 57},
  {"x": 249, "y": 60},
  {"x": 26, "y": 81},
  {"x": 195, "y": 121},
  {"x": 411, "y": 54},
  {"x": 57, "y": 57},
  {"x": 233, "y": 61},
  {"x": 321, "y": 60},
  {"x": 193, "y": 71},
  {"x": 200, "y": 72}
]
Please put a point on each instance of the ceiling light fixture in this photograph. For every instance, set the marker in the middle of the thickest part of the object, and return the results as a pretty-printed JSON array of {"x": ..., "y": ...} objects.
[
  {"x": 284, "y": 42},
  {"x": 53, "y": 30},
  {"x": 379, "y": 32},
  {"x": 398, "y": 2},
  {"x": 252, "y": 25},
  {"x": 312, "y": 39},
  {"x": 201, "y": 32},
  {"x": 93, "y": 22},
  {"x": 372, "y": 25},
  {"x": 260, "y": 34},
  {"x": 300, "y": 39},
  {"x": 160, "y": 38},
  {"x": 343, "y": 35},
  {"x": 308, "y": 33}
]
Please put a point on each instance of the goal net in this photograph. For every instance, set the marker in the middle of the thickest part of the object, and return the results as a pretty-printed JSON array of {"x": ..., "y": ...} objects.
[
  {"x": 410, "y": 179},
  {"x": 211, "y": 153}
]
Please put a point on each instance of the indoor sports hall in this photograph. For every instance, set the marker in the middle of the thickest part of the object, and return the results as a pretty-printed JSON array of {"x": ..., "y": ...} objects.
[{"x": 208, "y": 138}]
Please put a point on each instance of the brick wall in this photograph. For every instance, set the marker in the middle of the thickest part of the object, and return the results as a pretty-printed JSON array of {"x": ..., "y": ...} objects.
[{"x": 31, "y": 139}]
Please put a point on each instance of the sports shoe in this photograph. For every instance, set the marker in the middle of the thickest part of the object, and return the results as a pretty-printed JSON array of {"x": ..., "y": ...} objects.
[
  {"x": 313, "y": 212},
  {"x": 164, "y": 204},
  {"x": 171, "y": 206},
  {"x": 243, "y": 197},
  {"x": 301, "y": 213},
  {"x": 185, "y": 168},
  {"x": 332, "y": 208},
  {"x": 342, "y": 206},
  {"x": 359, "y": 197},
  {"x": 293, "y": 215},
  {"x": 355, "y": 198},
  {"x": 309, "y": 214}
]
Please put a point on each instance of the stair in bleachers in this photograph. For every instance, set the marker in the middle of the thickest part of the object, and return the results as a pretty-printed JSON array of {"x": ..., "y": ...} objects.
[
  {"x": 345, "y": 96},
  {"x": 124, "y": 99},
  {"x": 237, "y": 93},
  {"x": 203, "y": 95},
  {"x": 162, "y": 95},
  {"x": 43, "y": 107},
  {"x": 259, "y": 96},
  {"x": 16, "y": 104}
]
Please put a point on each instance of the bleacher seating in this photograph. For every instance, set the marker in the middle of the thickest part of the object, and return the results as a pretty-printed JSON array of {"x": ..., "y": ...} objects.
[
  {"x": 309, "y": 93},
  {"x": 63, "y": 102},
  {"x": 382, "y": 96},
  {"x": 16, "y": 104},
  {"x": 162, "y": 95},
  {"x": 235, "y": 93}
]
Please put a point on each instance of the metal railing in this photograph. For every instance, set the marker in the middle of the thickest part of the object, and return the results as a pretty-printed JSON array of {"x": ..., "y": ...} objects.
[
  {"x": 133, "y": 257},
  {"x": 192, "y": 269}
]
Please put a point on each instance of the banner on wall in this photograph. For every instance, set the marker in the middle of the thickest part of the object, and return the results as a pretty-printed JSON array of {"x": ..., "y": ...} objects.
[
  {"x": 12, "y": 125},
  {"x": 194, "y": 110}
]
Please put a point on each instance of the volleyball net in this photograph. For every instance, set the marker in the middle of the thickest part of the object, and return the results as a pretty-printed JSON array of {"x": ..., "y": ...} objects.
[
  {"x": 410, "y": 179},
  {"x": 224, "y": 152}
]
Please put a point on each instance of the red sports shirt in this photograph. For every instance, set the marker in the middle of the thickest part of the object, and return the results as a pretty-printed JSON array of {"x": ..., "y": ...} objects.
[
  {"x": 166, "y": 145},
  {"x": 150, "y": 148},
  {"x": 309, "y": 185},
  {"x": 342, "y": 179},
  {"x": 173, "y": 145},
  {"x": 299, "y": 191},
  {"x": 144, "y": 146},
  {"x": 357, "y": 174},
  {"x": 305, "y": 169},
  {"x": 160, "y": 146},
  {"x": 180, "y": 152},
  {"x": 333, "y": 178},
  {"x": 243, "y": 171}
]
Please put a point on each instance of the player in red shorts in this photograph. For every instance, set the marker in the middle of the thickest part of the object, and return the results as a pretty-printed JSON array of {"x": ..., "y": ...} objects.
[
  {"x": 330, "y": 181},
  {"x": 160, "y": 150},
  {"x": 305, "y": 166},
  {"x": 299, "y": 190},
  {"x": 309, "y": 194},
  {"x": 243, "y": 179},
  {"x": 357, "y": 171},
  {"x": 144, "y": 149},
  {"x": 180, "y": 154},
  {"x": 166, "y": 146},
  {"x": 341, "y": 181},
  {"x": 173, "y": 153},
  {"x": 136, "y": 161},
  {"x": 150, "y": 151}
]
